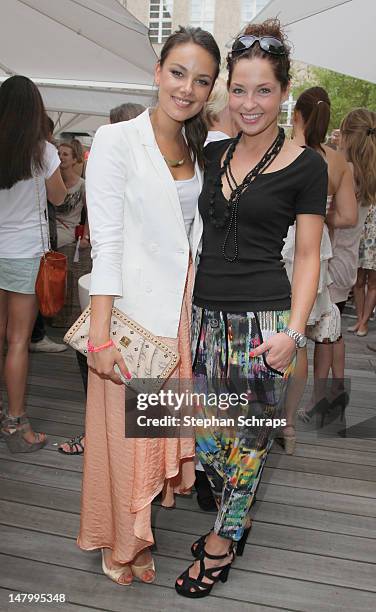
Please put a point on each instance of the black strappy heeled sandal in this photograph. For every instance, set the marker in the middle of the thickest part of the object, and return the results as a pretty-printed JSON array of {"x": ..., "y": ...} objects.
[
  {"x": 195, "y": 588},
  {"x": 198, "y": 547}
]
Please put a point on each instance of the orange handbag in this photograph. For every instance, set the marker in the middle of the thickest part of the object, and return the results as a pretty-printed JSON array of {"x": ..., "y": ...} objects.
[
  {"x": 50, "y": 286},
  {"x": 51, "y": 282}
]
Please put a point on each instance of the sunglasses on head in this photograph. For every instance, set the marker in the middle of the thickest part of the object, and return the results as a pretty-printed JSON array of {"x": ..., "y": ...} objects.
[{"x": 269, "y": 44}]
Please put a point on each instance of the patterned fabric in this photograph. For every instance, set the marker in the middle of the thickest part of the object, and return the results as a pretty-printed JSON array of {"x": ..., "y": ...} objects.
[
  {"x": 68, "y": 214},
  {"x": 328, "y": 329},
  {"x": 234, "y": 457},
  {"x": 367, "y": 247}
]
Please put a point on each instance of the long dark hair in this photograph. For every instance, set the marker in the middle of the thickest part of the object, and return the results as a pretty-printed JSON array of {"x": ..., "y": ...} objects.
[
  {"x": 77, "y": 149},
  {"x": 314, "y": 106},
  {"x": 195, "y": 127},
  {"x": 23, "y": 130}
]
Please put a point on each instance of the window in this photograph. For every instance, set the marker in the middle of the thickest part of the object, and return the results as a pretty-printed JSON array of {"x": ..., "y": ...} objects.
[
  {"x": 251, "y": 8},
  {"x": 202, "y": 14},
  {"x": 160, "y": 20}
]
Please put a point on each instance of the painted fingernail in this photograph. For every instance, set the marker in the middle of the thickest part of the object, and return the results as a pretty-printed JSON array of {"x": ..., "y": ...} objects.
[
  {"x": 128, "y": 375},
  {"x": 251, "y": 354}
]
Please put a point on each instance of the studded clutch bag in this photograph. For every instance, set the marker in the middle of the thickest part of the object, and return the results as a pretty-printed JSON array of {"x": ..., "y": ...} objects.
[{"x": 149, "y": 360}]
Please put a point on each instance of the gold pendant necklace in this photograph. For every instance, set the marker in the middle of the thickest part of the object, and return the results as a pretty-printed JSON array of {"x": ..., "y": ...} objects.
[{"x": 174, "y": 163}]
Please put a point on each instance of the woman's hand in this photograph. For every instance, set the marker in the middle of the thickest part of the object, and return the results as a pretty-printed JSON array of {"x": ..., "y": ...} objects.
[
  {"x": 103, "y": 364},
  {"x": 280, "y": 350}
]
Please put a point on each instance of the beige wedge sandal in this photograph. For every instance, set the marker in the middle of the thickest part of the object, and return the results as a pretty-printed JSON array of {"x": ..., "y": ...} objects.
[
  {"x": 139, "y": 570},
  {"x": 114, "y": 573}
]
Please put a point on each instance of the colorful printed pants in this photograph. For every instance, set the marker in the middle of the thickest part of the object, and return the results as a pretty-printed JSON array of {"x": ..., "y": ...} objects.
[{"x": 233, "y": 454}]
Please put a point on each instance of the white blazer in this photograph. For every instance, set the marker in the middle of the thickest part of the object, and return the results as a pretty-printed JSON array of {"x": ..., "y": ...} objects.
[{"x": 140, "y": 248}]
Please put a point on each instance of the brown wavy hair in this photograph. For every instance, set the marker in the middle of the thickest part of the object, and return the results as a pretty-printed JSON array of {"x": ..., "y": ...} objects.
[
  {"x": 195, "y": 127},
  {"x": 23, "y": 130},
  {"x": 314, "y": 106},
  {"x": 77, "y": 149},
  {"x": 281, "y": 64},
  {"x": 358, "y": 132}
]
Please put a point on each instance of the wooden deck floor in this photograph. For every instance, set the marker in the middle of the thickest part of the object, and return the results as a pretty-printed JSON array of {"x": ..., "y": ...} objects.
[{"x": 312, "y": 547}]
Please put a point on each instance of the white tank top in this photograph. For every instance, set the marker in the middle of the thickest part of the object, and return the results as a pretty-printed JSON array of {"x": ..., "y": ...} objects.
[{"x": 188, "y": 192}]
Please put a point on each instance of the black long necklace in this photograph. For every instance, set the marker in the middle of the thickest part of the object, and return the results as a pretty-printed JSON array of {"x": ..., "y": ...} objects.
[{"x": 230, "y": 215}]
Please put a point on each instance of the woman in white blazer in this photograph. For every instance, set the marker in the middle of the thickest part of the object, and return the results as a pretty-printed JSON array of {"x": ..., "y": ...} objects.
[{"x": 143, "y": 181}]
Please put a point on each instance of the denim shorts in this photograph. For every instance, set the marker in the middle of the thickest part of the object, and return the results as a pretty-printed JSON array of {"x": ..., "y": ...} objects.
[{"x": 19, "y": 275}]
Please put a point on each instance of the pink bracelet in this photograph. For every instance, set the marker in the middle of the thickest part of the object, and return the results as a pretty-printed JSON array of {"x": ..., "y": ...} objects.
[{"x": 96, "y": 349}]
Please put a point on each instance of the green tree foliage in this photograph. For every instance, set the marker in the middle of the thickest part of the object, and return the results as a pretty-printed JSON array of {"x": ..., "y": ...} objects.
[{"x": 345, "y": 92}]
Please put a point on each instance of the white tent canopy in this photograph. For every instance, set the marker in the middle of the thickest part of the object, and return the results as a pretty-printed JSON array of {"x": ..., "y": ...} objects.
[
  {"x": 86, "y": 56},
  {"x": 329, "y": 33}
]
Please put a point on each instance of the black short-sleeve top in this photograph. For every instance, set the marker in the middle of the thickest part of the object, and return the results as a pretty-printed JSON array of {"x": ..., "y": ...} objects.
[{"x": 257, "y": 279}]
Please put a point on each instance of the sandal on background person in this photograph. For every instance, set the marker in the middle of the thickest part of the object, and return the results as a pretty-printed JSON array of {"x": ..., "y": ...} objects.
[
  {"x": 13, "y": 430},
  {"x": 3, "y": 414},
  {"x": 353, "y": 328},
  {"x": 362, "y": 332},
  {"x": 289, "y": 439},
  {"x": 286, "y": 438},
  {"x": 76, "y": 446},
  {"x": 321, "y": 407}
]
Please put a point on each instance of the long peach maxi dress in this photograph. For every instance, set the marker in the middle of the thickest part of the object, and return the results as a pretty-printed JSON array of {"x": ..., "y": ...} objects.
[{"x": 123, "y": 475}]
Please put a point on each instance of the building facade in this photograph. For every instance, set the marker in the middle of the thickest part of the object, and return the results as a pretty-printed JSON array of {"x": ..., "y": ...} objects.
[{"x": 223, "y": 18}]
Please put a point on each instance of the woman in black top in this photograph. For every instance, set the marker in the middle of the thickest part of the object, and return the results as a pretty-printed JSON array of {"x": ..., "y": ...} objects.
[{"x": 256, "y": 185}]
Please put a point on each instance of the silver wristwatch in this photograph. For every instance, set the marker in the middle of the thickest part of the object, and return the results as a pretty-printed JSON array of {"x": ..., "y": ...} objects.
[{"x": 300, "y": 339}]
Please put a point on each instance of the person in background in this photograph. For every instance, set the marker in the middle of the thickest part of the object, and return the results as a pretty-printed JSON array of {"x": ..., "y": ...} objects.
[
  {"x": 73, "y": 237},
  {"x": 69, "y": 215},
  {"x": 79, "y": 166},
  {"x": 76, "y": 445},
  {"x": 358, "y": 144},
  {"x": 40, "y": 342},
  {"x": 333, "y": 140},
  {"x": 311, "y": 120},
  {"x": 364, "y": 290},
  {"x": 125, "y": 112},
  {"x": 29, "y": 173},
  {"x": 217, "y": 115}
]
